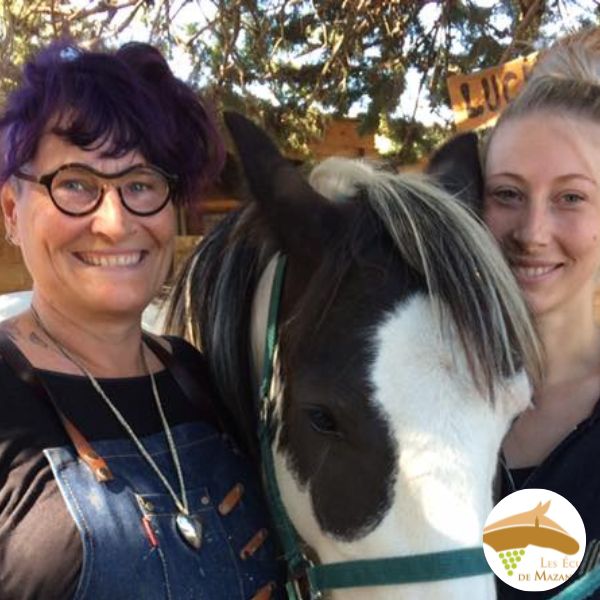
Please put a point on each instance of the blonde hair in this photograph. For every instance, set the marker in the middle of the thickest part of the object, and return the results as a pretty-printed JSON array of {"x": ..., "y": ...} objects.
[
  {"x": 575, "y": 57},
  {"x": 565, "y": 80},
  {"x": 442, "y": 240}
]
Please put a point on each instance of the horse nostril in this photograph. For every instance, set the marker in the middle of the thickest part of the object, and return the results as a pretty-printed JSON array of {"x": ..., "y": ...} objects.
[{"x": 322, "y": 421}]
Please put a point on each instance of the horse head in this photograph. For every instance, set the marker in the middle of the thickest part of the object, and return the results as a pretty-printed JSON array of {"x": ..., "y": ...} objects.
[{"x": 402, "y": 358}]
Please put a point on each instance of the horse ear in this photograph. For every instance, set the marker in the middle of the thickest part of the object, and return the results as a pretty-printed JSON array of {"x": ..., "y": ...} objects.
[
  {"x": 300, "y": 220},
  {"x": 457, "y": 168}
]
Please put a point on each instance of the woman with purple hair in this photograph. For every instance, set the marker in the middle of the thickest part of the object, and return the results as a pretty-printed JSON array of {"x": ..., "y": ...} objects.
[{"x": 119, "y": 475}]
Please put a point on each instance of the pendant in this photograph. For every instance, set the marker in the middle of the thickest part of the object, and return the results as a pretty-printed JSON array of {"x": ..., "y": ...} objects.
[{"x": 190, "y": 529}]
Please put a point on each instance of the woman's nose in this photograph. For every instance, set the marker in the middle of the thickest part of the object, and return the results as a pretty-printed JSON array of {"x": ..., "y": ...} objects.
[
  {"x": 111, "y": 218},
  {"x": 532, "y": 226}
]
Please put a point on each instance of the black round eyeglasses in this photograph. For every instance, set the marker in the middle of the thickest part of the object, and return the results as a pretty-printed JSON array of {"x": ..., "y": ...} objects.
[{"x": 78, "y": 189}]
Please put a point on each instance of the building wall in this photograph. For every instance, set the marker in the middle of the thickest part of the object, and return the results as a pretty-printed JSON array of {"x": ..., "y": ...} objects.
[{"x": 341, "y": 138}]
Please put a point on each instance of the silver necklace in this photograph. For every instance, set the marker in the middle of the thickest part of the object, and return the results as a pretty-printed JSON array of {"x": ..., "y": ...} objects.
[{"x": 189, "y": 527}]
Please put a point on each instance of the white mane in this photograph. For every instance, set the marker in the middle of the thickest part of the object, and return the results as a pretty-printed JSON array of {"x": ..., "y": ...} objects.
[{"x": 447, "y": 431}]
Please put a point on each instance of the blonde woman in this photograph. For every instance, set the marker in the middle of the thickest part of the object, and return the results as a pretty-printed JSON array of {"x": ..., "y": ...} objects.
[{"x": 542, "y": 203}]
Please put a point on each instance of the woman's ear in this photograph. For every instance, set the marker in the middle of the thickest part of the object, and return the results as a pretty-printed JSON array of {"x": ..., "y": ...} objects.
[{"x": 8, "y": 202}]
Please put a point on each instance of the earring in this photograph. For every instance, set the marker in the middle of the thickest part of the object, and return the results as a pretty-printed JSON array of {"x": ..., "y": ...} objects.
[{"x": 9, "y": 239}]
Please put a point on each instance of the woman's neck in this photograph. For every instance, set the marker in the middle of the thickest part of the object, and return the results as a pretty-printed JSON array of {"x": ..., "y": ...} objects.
[
  {"x": 569, "y": 391},
  {"x": 571, "y": 342},
  {"x": 105, "y": 346}
]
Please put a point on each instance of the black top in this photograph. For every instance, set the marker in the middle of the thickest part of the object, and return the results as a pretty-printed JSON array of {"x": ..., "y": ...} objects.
[
  {"x": 573, "y": 471},
  {"x": 40, "y": 547},
  {"x": 520, "y": 477}
]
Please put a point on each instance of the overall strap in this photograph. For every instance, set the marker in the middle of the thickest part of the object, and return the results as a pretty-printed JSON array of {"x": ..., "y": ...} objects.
[
  {"x": 25, "y": 371},
  {"x": 188, "y": 384}
]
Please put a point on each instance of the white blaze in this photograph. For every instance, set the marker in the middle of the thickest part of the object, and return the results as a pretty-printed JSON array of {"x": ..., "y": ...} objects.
[{"x": 448, "y": 435}]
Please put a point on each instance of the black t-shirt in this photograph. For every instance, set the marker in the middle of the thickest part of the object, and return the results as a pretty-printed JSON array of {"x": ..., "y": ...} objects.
[
  {"x": 40, "y": 547},
  {"x": 572, "y": 471}
]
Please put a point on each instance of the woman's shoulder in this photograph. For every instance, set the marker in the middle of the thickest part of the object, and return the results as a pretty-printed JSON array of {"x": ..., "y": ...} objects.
[
  {"x": 181, "y": 350},
  {"x": 186, "y": 363},
  {"x": 10, "y": 382},
  {"x": 24, "y": 416},
  {"x": 197, "y": 382},
  {"x": 11, "y": 329},
  {"x": 181, "y": 345},
  {"x": 8, "y": 378}
]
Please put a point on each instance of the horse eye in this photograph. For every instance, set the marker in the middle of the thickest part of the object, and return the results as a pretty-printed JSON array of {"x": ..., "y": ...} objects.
[{"x": 322, "y": 421}]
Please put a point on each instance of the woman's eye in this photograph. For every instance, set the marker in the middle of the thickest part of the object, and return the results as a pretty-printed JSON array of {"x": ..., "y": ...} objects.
[
  {"x": 572, "y": 198},
  {"x": 138, "y": 187},
  {"x": 73, "y": 185},
  {"x": 506, "y": 195}
]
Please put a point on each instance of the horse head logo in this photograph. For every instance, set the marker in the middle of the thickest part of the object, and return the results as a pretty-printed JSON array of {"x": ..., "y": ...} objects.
[{"x": 529, "y": 527}]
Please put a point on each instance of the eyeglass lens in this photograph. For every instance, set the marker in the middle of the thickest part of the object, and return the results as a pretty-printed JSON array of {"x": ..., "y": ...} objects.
[{"x": 76, "y": 190}]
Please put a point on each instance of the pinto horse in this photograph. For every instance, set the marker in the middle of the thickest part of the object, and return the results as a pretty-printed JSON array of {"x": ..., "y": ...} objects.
[{"x": 404, "y": 350}]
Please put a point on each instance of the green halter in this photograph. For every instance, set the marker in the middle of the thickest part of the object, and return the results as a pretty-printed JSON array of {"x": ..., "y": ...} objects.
[{"x": 306, "y": 578}]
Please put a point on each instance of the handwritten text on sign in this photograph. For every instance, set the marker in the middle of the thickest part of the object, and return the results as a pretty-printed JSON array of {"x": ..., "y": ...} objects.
[{"x": 479, "y": 98}]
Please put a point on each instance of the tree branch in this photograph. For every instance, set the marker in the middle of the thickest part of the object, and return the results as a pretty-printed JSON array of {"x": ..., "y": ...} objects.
[{"x": 521, "y": 27}]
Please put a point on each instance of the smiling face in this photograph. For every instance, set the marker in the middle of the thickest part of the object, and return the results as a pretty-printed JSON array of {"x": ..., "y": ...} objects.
[
  {"x": 542, "y": 203},
  {"x": 109, "y": 262}
]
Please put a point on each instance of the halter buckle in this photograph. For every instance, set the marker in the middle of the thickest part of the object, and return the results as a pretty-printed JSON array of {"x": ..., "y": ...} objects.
[
  {"x": 300, "y": 585},
  {"x": 299, "y": 588}
]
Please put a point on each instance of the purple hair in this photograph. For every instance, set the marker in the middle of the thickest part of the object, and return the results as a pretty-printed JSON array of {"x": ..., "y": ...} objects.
[{"x": 129, "y": 100}]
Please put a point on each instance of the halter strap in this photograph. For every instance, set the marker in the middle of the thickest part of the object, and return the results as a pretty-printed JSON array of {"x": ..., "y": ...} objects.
[
  {"x": 583, "y": 588},
  {"x": 435, "y": 566},
  {"x": 315, "y": 579},
  {"x": 287, "y": 534}
]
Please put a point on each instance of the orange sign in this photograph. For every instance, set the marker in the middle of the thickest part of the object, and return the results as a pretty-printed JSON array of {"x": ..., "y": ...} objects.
[{"x": 477, "y": 99}]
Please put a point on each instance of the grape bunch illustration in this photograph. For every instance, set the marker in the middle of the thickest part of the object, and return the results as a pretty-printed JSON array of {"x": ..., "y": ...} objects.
[{"x": 511, "y": 559}]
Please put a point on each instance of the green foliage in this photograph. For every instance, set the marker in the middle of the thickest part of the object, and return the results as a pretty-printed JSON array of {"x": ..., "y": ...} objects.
[{"x": 290, "y": 62}]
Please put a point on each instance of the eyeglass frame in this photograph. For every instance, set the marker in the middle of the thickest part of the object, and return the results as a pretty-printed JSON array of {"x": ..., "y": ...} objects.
[{"x": 47, "y": 179}]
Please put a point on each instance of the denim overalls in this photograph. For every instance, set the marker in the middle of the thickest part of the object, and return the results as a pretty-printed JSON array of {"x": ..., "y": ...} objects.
[{"x": 131, "y": 548}]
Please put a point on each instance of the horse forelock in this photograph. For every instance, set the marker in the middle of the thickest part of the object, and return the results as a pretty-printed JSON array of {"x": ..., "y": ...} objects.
[
  {"x": 403, "y": 237},
  {"x": 460, "y": 263},
  {"x": 405, "y": 244}
]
